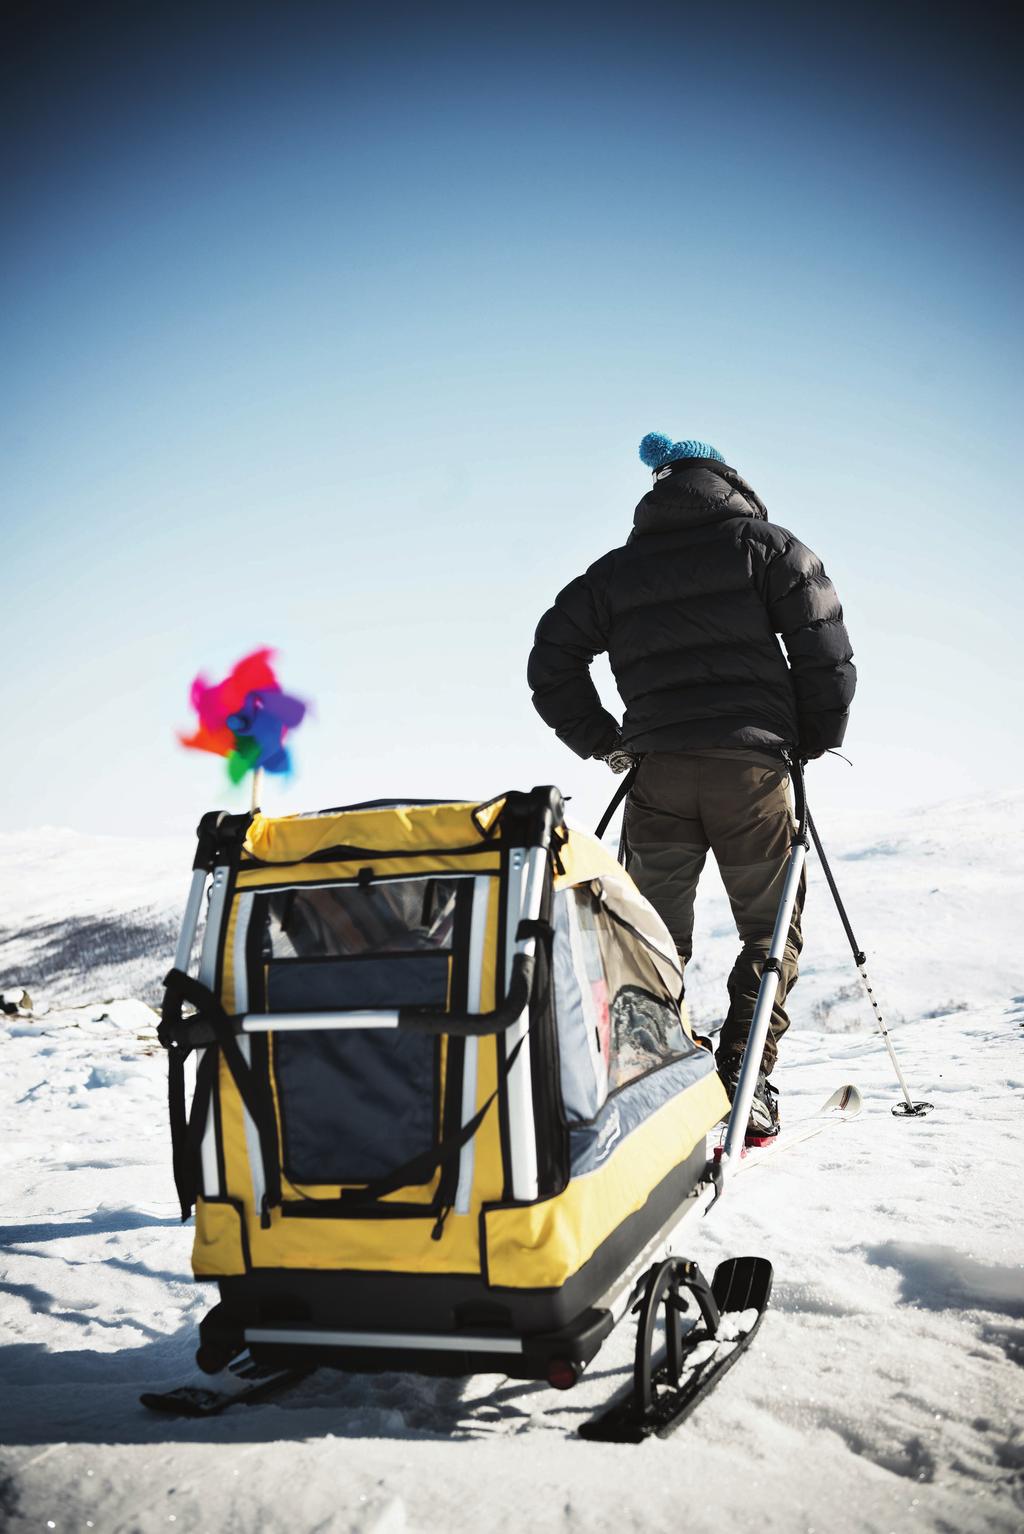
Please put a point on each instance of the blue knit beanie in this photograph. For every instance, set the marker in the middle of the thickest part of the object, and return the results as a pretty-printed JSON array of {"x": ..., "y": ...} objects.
[{"x": 656, "y": 450}]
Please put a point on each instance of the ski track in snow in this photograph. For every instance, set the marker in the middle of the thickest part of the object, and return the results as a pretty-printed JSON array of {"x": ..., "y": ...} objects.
[{"x": 884, "y": 1390}]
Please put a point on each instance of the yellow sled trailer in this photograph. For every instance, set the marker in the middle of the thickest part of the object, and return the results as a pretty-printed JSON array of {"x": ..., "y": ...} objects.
[{"x": 446, "y": 1102}]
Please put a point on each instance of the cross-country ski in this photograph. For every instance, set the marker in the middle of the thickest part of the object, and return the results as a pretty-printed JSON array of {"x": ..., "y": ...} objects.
[{"x": 840, "y": 1107}]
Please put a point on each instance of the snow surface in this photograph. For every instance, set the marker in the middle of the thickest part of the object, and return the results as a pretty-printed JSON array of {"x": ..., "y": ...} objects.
[{"x": 883, "y": 1392}]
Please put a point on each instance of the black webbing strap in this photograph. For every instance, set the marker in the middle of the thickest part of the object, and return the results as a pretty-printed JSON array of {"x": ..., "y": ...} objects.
[
  {"x": 488, "y": 831},
  {"x": 183, "y": 1179},
  {"x": 419, "y": 1169},
  {"x": 617, "y": 798},
  {"x": 186, "y": 1143},
  {"x": 186, "y": 1134}
]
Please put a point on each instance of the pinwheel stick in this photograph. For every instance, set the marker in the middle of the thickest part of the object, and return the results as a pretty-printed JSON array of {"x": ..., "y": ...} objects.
[{"x": 257, "y": 786}]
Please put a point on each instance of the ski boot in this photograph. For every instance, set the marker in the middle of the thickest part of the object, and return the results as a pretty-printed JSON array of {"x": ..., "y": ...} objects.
[{"x": 763, "y": 1124}]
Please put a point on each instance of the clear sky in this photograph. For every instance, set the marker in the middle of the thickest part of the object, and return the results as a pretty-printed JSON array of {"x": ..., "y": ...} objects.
[{"x": 338, "y": 333}]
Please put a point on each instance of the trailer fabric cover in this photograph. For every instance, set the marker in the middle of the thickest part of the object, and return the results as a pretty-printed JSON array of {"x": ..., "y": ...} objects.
[
  {"x": 582, "y": 1057},
  {"x": 618, "y": 1004},
  {"x": 354, "y": 1105},
  {"x": 634, "y": 1094}
]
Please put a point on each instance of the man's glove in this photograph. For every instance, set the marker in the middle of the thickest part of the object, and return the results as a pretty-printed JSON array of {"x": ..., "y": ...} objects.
[{"x": 620, "y": 760}]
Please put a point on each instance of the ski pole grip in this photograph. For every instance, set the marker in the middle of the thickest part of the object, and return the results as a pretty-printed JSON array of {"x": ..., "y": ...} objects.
[{"x": 799, "y": 800}]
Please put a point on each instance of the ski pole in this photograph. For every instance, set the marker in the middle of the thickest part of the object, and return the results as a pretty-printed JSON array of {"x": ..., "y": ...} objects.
[{"x": 908, "y": 1108}]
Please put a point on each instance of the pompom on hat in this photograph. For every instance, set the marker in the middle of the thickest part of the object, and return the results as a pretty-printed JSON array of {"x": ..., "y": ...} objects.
[{"x": 656, "y": 450}]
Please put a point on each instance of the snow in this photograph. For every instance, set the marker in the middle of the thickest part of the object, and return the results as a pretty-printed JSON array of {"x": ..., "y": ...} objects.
[{"x": 882, "y": 1392}]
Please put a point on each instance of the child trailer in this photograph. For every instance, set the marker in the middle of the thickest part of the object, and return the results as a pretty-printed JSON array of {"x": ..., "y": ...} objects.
[{"x": 448, "y": 1111}]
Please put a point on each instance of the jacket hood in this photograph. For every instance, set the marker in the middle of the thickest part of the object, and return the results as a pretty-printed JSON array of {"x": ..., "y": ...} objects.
[{"x": 698, "y": 490}]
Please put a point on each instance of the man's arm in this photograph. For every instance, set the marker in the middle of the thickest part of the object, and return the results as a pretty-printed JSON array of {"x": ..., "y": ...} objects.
[
  {"x": 568, "y": 637},
  {"x": 806, "y": 612}
]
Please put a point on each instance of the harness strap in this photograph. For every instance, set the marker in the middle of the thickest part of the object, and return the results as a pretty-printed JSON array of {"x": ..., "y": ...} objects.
[
  {"x": 617, "y": 798},
  {"x": 188, "y": 1155},
  {"x": 183, "y": 1181},
  {"x": 187, "y": 1133},
  {"x": 187, "y": 1129}
]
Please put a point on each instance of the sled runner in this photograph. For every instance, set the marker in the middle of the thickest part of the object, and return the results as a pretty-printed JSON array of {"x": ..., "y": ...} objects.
[{"x": 448, "y": 1111}]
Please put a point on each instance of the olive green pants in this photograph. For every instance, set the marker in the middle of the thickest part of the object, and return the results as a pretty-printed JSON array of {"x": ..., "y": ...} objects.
[{"x": 735, "y": 804}]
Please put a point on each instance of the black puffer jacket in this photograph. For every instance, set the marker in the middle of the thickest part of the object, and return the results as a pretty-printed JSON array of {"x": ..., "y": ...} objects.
[{"x": 688, "y": 610}]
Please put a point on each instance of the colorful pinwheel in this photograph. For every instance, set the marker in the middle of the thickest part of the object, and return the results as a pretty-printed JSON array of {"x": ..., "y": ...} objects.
[{"x": 245, "y": 718}]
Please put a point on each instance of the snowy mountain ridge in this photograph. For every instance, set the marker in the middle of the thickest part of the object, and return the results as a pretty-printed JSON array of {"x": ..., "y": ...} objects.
[{"x": 935, "y": 895}]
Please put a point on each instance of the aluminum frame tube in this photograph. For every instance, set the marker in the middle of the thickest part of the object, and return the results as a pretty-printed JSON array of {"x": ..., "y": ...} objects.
[
  {"x": 527, "y": 868},
  {"x": 207, "y": 975},
  {"x": 471, "y": 1058},
  {"x": 190, "y": 920},
  {"x": 315, "y": 1022},
  {"x": 752, "y": 1055},
  {"x": 433, "y": 1342}
]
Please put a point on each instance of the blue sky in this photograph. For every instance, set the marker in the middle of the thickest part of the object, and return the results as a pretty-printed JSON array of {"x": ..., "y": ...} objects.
[{"x": 340, "y": 334}]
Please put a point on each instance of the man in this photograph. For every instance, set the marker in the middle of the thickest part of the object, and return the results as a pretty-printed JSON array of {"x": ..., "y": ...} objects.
[{"x": 688, "y": 611}]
